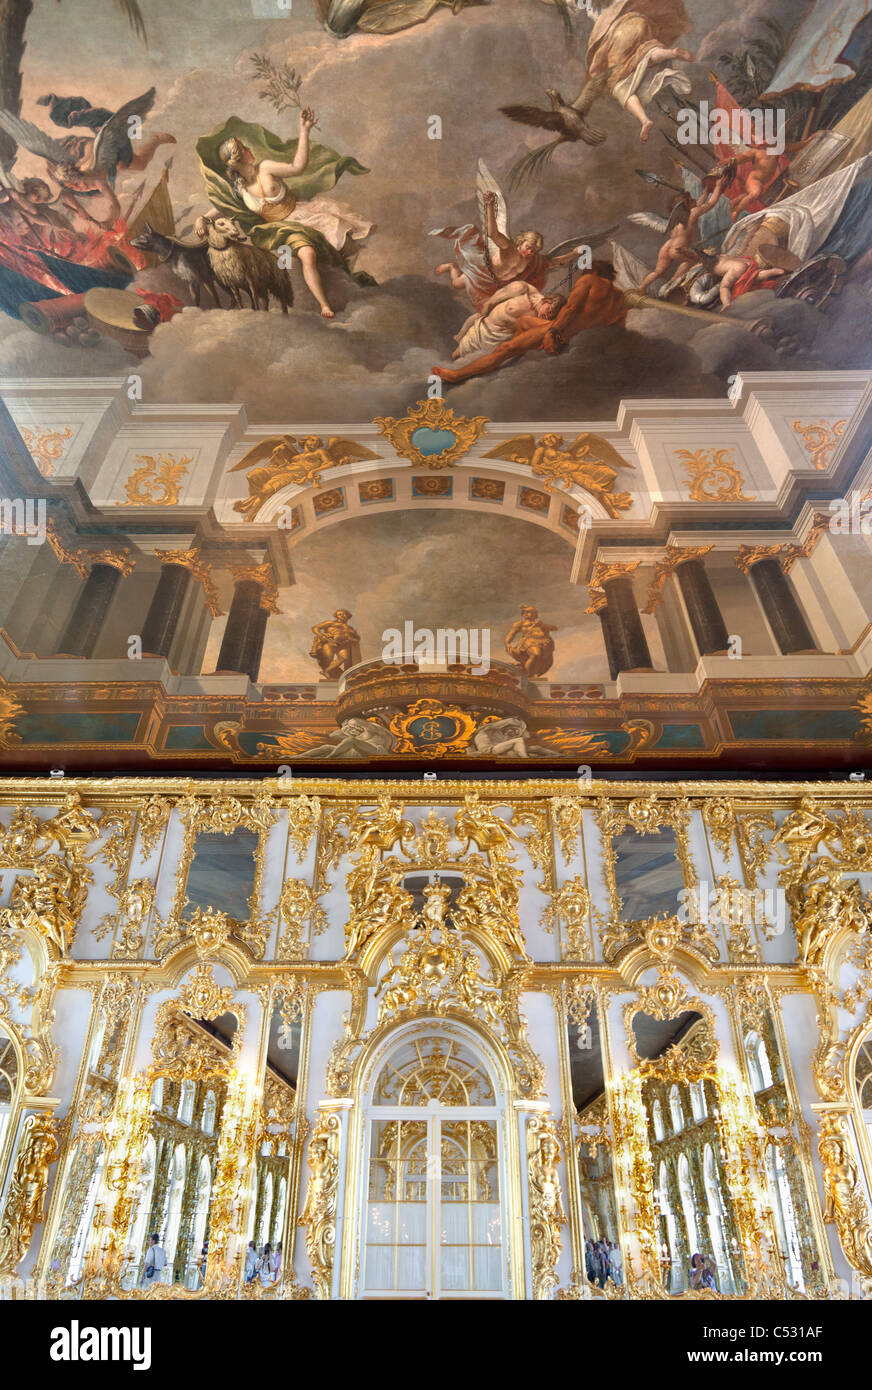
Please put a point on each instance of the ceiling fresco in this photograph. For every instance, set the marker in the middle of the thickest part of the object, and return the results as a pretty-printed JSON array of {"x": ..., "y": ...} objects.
[{"x": 394, "y": 381}]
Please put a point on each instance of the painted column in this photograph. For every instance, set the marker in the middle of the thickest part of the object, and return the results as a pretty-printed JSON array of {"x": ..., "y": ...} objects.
[
  {"x": 629, "y": 648},
  {"x": 706, "y": 620},
  {"x": 254, "y": 598},
  {"x": 162, "y": 620},
  {"x": 85, "y": 623},
  {"x": 775, "y": 592}
]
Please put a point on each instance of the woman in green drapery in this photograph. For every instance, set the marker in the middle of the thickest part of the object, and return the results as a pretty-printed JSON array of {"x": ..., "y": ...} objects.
[{"x": 276, "y": 190}]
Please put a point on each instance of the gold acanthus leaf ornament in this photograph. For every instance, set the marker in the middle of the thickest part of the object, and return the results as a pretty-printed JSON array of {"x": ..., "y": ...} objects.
[
  {"x": 426, "y": 424},
  {"x": 674, "y": 556},
  {"x": 25, "y": 1199},
  {"x": 157, "y": 480},
  {"x": 202, "y": 997},
  {"x": 819, "y": 439},
  {"x": 45, "y": 445},
  {"x": 713, "y": 475}
]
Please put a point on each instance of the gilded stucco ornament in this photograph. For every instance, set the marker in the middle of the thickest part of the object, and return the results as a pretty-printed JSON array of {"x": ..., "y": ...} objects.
[
  {"x": 427, "y": 423},
  {"x": 319, "y": 1214},
  {"x": 846, "y": 1205},
  {"x": 25, "y": 1199},
  {"x": 547, "y": 1215}
]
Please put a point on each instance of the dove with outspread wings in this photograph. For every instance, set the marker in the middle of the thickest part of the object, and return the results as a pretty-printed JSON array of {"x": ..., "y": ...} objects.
[
  {"x": 630, "y": 53},
  {"x": 589, "y": 462},
  {"x": 292, "y": 462}
]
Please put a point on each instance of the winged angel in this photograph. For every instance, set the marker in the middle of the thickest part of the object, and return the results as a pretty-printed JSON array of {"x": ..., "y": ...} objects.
[
  {"x": 630, "y": 54},
  {"x": 487, "y": 258},
  {"x": 589, "y": 462},
  {"x": 87, "y": 165},
  {"x": 291, "y": 462}
]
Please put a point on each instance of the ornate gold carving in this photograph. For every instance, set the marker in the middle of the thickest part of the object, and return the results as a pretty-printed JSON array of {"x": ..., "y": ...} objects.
[
  {"x": 77, "y": 558},
  {"x": 262, "y": 575},
  {"x": 135, "y": 904},
  {"x": 319, "y": 1214},
  {"x": 298, "y": 908},
  {"x": 570, "y": 907},
  {"x": 435, "y": 972},
  {"x": 45, "y": 446},
  {"x": 201, "y": 996},
  {"x": 446, "y": 729},
  {"x": 846, "y": 1205},
  {"x": 547, "y": 1216},
  {"x": 431, "y": 417},
  {"x": 292, "y": 462},
  {"x": 713, "y": 475},
  {"x": 156, "y": 482},
  {"x": 304, "y": 817},
  {"x": 820, "y": 524},
  {"x": 590, "y": 463},
  {"x": 566, "y": 819},
  {"x": 673, "y": 556},
  {"x": 10, "y": 710},
  {"x": 25, "y": 1200},
  {"x": 696, "y": 1054},
  {"x": 829, "y": 908},
  {"x": 819, "y": 439},
  {"x": 193, "y": 561},
  {"x": 749, "y": 555},
  {"x": 153, "y": 819},
  {"x": 601, "y": 574},
  {"x": 720, "y": 819},
  {"x": 50, "y": 902}
]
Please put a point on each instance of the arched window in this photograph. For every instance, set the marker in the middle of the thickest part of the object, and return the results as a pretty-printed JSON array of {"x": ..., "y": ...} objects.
[
  {"x": 210, "y": 1107},
  {"x": 657, "y": 1120},
  {"x": 669, "y": 1231},
  {"x": 759, "y": 1069},
  {"x": 136, "y": 1245},
  {"x": 785, "y": 1215},
  {"x": 201, "y": 1216},
  {"x": 688, "y": 1205},
  {"x": 675, "y": 1110},
  {"x": 279, "y": 1211},
  {"x": 174, "y": 1206},
  {"x": 697, "y": 1101},
  {"x": 186, "y": 1102},
  {"x": 262, "y": 1235},
  {"x": 83, "y": 1230},
  {"x": 716, "y": 1220}
]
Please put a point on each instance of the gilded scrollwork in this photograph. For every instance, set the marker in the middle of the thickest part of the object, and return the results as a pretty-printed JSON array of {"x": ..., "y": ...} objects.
[
  {"x": 547, "y": 1215},
  {"x": 319, "y": 1213},
  {"x": 25, "y": 1199},
  {"x": 846, "y": 1205}
]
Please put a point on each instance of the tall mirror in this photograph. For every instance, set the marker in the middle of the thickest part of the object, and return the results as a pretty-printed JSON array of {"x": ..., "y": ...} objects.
[
  {"x": 648, "y": 874},
  {"x": 698, "y": 1240},
  {"x": 168, "y": 1236},
  {"x": 596, "y": 1178},
  {"x": 271, "y": 1179},
  {"x": 787, "y": 1196}
]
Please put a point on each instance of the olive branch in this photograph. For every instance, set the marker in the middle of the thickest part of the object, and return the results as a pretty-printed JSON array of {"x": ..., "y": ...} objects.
[{"x": 281, "y": 84}]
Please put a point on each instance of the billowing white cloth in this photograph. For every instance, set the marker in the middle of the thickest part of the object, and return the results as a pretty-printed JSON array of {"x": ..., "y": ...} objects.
[{"x": 810, "y": 214}]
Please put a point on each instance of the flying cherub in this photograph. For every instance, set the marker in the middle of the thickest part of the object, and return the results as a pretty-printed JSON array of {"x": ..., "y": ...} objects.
[
  {"x": 86, "y": 165},
  {"x": 291, "y": 461},
  {"x": 629, "y": 53},
  {"x": 680, "y": 230},
  {"x": 589, "y": 462},
  {"x": 487, "y": 257}
]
